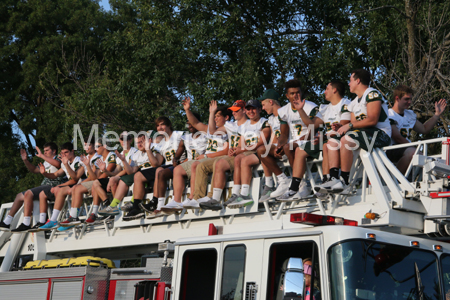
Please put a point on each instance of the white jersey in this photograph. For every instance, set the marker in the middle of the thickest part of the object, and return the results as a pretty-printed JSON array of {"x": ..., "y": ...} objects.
[
  {"x": 195, "y": 146},
  {"x": 140, "y": 158},
  {"x": 215, "y": 142},
  {"x": 274, "y": 123},
  {"x": 359, "y": 108},
  {"x": 168, "y": 148},
  {"x": 76, "y": 163},
  {"x": 333, "y": 114},
  {"x": 127, "y": 156},
  {"x": 288, "y": 115},
  {"x": 404, "y": 123},
  {"x": 251, "y": 133},
  {"x": 49, "y": 168},
  {"x": 110, "y": 159},
  {"x": 92, "y": 161},
  {"x": 233, "y": 133}
]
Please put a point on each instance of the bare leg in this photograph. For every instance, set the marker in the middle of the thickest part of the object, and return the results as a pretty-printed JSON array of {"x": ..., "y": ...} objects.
[
  {"x": 138, "y": 190},
  {"x": 18, "y": 202},
  {"x": 221, "y": 166},
  {"x": 246, "y": 168},
  {"x": 163, "y": 176},
  {"x": 77, "y": 195},
  {"x": 28, "y": 204},
  {"x": 96, "y": 189},
  {"x": 269, "y": 160},
  {"x": 237, "y": 169},
  {"x": 289, "y": 150},
  {"x": 347, "y": 146},
  {"x": 403, "y": 163},
  {"x": 60, "y": 197},
  {"x": 42, "y": 202},
  {"x": 298, "y": 170},
  {"x": 113, "y": 184},
  {"x": 179, "y": 183},
  {"x": 325, "y": 168},
  {"x": 333, "y": 151},
  {"x": 156, "y": 184}
]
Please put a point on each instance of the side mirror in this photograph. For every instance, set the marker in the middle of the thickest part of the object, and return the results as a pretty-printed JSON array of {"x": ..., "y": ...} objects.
[{"x": 294, "y": 280}]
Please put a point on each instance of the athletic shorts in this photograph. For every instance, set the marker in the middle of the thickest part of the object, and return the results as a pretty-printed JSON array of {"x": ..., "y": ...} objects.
[
  {"x": 49, "y": 194},
  {"x": 88, "y": 185},
  {"x": 311, "y": 149},
  {"x": 128, "y": 179},
  {"x": 365, "y": 136},
  {"x": 104, "y": 182},
  {"x": 37, "y": 190},
  {"x": 187, "y": 166}
]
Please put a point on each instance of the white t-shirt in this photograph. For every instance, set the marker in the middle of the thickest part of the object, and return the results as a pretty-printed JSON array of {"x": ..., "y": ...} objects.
[
  {"x": 127, "y": 156},
  {"x": 251, "y": 133},
  {"x": 404, "y": 123},
  {"x": 76, "y": 163},
  {"x": 168, "y": 148},
  {"x": 291, "y": 117},
  {"x": 215, "y": 142},
  {"x": 195, "y": 146},
  {"x": 359, "y": 108},
  {"x": 332, "y": 114}
]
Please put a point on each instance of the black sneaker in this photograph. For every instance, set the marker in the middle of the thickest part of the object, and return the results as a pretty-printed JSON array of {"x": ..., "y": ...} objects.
[
  {"x": 35, "y": 228},
  {"x": 211, "y": 204},
  {"x": 3, "y": 226},
  {"x": 22, "y": 228},
  {"x": 149, "y": 207},
  {"x": 133, "y": 215}
]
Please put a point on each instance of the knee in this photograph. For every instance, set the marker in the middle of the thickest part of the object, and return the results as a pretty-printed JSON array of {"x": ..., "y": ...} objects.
[
  {"x": 95, "y": 184},
  {"x": 286, "y": 148},
  {"x": 138, "y": 177},
  {"x": 409, "y": 152}
]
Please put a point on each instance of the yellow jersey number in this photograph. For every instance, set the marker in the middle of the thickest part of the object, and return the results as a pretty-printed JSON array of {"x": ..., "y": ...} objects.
[
  {"x": 235, "y": 141},
  {"x": 252, "y": 141},
  {"x": 170, "y": 155},
  {"x": 212, "y": 146},
  {"x": 361, "y": 117}
]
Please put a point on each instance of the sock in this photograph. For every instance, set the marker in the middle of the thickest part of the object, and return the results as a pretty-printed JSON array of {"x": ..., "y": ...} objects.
[
  {"x": 160, "y": 203},
  {"x": 8, "y": 220},
  {"x": 245, "y": 189},
  {"x": 42, "y": 218},
  {"x": 295, "y": 183},
  {"x": 132, "y": 199},
  {"x": 95, "y": 209},
  {"x": 136, "y": 203},
  {"x": 26, "y": 221},
  {"x": 217, "y": 193},
  {"x": 74, "y": 212},
  {"x": 345, "y": 176},
  {"x": 115, "y": 202},
  {"x": 55, "y": 215},
  {"x": 281, "y": 177},
  {"x": 236, "y": 189},
  {"x": 325, "y": 178},
  {"x": 334, "y": 173},
  {"x": 269, "y": 181}
]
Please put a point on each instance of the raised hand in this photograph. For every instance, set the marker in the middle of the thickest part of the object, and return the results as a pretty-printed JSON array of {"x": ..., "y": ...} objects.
[
  {"x": 187, "y": 104},
  {"x": 85, "y": 159},
  {"x": 41, "y": 168},
  {"x": 299, "y": 103},
  {"x": 212, "y": 106},
  {"x": 64, "y": 160},
  {"x": 23, "y": 154},
  {"x": 120, "y": 156},
  {"x": 440, "y": 107},
  {"x": 39, "y": 153},
  {"x": 101, "y": 165},
  {"x": 148, "y": 144}
]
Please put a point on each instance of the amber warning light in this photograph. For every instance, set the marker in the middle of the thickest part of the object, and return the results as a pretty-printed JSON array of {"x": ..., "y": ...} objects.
[{"x": 312, "y": 219}]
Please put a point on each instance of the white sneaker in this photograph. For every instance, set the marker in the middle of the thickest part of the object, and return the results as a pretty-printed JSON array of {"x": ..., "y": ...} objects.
[
  {"x": 290, "y": 196},
  {"x": 185, "y": 202},
  {"x": 171, "y": 207},
  {"x": 332, "y": 186},
  {"x": 192, "y": 204},
  {"x": 204, "y": 199},
  {"x": 304, "y": 189},
  {"x": 347, "y": 190},
  {"x": 282, "y": 187}
]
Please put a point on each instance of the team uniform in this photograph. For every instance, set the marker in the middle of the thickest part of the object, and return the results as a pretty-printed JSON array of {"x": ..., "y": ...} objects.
[
  {"x": 104, "y": 181},
  {"x": 291, "y": 117},
  {"x": 234, "y": 136},
  {"x": 49, "y": 168},
  {"x": 140, "y": 159},
  {"x": 92, "y": 163},
  {"x": 329, "y": 114},
  {"x": 274, "y": 123},
  {"x": 381, "y": 132},
  {"x": 74, "y": 165},
  {"x": 405, "y": 123},
  {"x": 196, "y": 147}
]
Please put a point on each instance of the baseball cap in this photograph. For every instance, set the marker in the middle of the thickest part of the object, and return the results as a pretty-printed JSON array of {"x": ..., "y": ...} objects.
[
  {"x": 237, "y": 105},
  {"x": 269, "y": 94},
  {"x": 253, "y": 103}
]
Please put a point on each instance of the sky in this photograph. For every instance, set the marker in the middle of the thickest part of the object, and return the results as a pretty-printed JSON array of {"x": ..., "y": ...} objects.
[{"x": 105, "y": 4}]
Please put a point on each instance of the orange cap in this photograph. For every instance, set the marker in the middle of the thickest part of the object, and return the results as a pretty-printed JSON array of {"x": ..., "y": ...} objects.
[{"x": 237, "y": 105}]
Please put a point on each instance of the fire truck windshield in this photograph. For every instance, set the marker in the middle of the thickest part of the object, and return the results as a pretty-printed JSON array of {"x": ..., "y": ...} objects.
[{"x": 362, "y": 269}]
